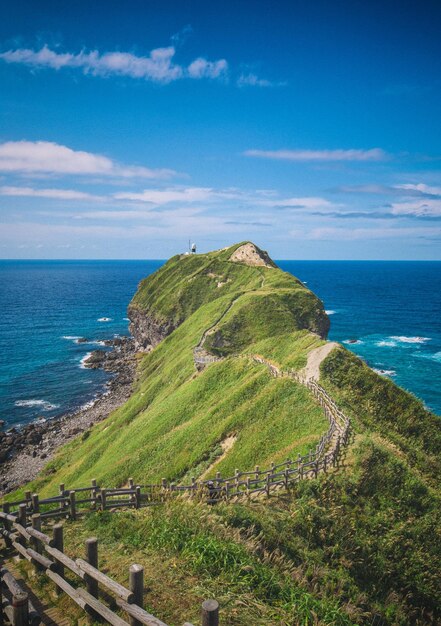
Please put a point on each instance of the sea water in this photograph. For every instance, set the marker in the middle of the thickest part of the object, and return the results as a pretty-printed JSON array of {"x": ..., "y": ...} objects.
[{"x": 386, "y": 312}]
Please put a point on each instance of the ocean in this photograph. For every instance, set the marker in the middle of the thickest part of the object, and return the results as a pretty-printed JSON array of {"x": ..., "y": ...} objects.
[{"x": 388, "y": 313}]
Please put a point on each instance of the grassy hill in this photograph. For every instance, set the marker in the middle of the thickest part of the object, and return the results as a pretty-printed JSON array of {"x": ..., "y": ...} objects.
[{"x": 357, "y": 546}]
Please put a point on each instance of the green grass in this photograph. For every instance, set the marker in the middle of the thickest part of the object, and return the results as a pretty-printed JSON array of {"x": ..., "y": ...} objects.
[
  {"x": 376, "y": 404},
  {"x": 186, "y": 283},
  {"x": 358, "y": 546}
]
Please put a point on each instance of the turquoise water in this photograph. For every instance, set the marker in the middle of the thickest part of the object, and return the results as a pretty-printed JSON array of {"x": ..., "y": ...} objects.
[{"x": 392, "y": 309}]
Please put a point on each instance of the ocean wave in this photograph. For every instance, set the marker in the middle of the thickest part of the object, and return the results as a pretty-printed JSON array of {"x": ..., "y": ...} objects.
[
  {"x": 353, "y": 341},
  {"x": 71, "y": 338},
  {"x": 385, "y": 372},
  {"x": 330, "y": 312},
  {"x": 43, "y": 404},
  {"x": 83, "y": 360},
  {"x": 386, "y": 344},
  {"x": 104, "y": 319},
  {"x": 403, "y": 339},
  {"x": 126, "y": 319},
  {"x": 432, "y": 356}
]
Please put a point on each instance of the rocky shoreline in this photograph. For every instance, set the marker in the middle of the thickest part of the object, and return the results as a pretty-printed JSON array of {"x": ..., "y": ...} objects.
[{"x": 24, "y": 452}]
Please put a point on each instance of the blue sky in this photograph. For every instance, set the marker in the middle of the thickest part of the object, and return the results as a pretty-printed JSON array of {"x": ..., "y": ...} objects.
[{"x": 311, "y": 128}]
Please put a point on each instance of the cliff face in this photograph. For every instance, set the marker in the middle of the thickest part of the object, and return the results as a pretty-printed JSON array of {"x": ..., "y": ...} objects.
[
  {"x": 266, "y": 300},
  {"x": 146, "y": 330}
]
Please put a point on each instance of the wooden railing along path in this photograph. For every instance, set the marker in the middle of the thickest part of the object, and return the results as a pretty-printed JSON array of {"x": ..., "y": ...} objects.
[
  {"x": 95, "y": 592},
  {"x": 70, "y": 503},
  {"x": 23, "y": 519}
]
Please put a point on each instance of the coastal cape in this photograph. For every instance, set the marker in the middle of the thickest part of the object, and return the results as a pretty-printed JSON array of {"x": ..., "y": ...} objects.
[{"x": 212, "y": 335}]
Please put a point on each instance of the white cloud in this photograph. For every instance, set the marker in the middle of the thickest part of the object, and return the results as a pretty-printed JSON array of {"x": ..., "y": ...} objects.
[
  {"x": 251, "y": 80},
  {"x": 57, "y": 194},
  {"x": 374, "y": 154},
  {"x": 417, "y": 208},
  {"x": 307, "y": 202},
  {"x": 47, "y": 157},
  {"x": 421, "y": 188},
  {"x": 201, "y": 68},
  {"x": 158, "y": 66},
  {"x": 341, "y": 234},
  {"x": 165, "y": 196}
]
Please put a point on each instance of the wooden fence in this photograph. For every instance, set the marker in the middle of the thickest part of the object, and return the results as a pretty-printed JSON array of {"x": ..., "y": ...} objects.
[
  {"x": 22, "y": 521},
  {"x": 71, "y": 503},
  {"x": 81, "y": 579}
]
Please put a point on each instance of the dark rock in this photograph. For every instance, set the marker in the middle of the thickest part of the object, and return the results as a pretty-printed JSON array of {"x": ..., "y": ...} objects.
[
  {"x": 146, "y": 330},
  {"x": 82, "y": 340},
  {"x": 95, "y": 359}
]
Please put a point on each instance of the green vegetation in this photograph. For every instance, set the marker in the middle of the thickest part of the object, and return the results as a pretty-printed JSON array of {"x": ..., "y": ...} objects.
[
  {"x": 186, "y": 283},
  {"x": 376, "y": 404},
  {"x": 358, "y": 546}
]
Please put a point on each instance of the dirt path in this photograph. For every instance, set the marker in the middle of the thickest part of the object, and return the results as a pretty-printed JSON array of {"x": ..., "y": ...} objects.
[
  {"x": 315, "y": 357},
  {"x": 226, "y": 446}
]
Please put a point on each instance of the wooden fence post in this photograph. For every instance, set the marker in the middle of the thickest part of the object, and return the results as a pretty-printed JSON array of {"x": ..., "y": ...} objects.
[
  {"x": 22, "y": 516},
  {"x": 136, "y": 585},
  {"x": 103, "y": 499},
  {"x": 22, "y": 519},
  {"x": 8, "y": 525},
  {"x": 36, "y": 525},
  {"x": 57, "y": 534},
  {"x": 267, "y": 485},
  {"x": 73, "y": 506},
  {"x": 93, "y": 494},
  {"x": 91, "y": 583},
  {"x": 236, "y": 476},
  {"x": 35, "y": 503},
  {"x": 300, "y": 467},
  {"x": 63, "y": 504},
  {"x": 138, "y": 497},
  {"x": 20, "y": 609},
  {"x": 210, "y": 613}
]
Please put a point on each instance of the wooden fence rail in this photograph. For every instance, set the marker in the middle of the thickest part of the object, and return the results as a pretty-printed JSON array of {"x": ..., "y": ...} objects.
[
  {"x": 100, "y": 596},
  {"x": 22, "y": 526},
  {"x": 248, "y": 484}
]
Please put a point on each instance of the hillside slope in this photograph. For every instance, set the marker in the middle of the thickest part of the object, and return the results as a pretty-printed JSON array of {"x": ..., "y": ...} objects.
[{"x": 357, "y": 546}]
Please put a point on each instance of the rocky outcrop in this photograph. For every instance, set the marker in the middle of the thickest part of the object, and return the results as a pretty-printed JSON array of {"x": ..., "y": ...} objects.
[
  {"x": 25, "y": 451},
  {"x": 250, "y": 254},
  {"x": 146, "y": 330}
]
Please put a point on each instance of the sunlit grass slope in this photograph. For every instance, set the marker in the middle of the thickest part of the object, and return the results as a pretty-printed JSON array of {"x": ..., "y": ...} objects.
[
  {"x": 185, "y": 283},
  {"x": 177, "y": 418},
  {"x": 357, "y": 546}
]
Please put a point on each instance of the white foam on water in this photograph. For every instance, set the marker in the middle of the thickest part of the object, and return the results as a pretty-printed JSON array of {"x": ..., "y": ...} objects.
[
  {"x": 330, "y": 312},
  {"x": 403, "y": 339},
  {"x": 386, "y": 344},
  {"x": 352, "y": 342},
  {"x": 104, "y": 319},
  {"x": 433, "y": 357},
  {"x": 83, "y": 360},
  {"x": 43, "y": 404},
  {"x": 71, "y": 338},
  {"x": 385, "y": 372},
  {"x": 126, "y": 319}
]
